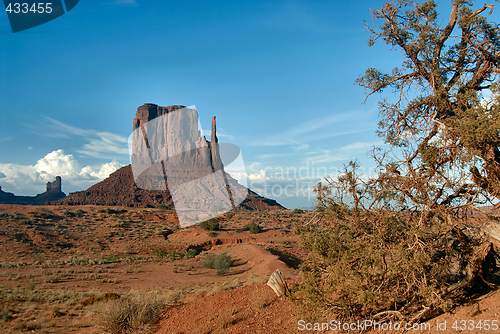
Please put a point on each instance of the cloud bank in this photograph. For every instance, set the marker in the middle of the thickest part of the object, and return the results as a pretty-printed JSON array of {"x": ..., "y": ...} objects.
[{"x": 30, "y": 180}]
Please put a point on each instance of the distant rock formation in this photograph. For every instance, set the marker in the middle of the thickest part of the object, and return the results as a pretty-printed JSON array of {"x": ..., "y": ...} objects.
[
  {"x": 52, "y": 193},
  {"x": 186, "y": 155}
]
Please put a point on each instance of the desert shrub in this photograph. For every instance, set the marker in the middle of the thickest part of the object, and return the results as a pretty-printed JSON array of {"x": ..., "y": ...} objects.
[
  {"x": 190, "y": 253},
  {"x": 298, "y": 211},
  {"x": 32, "y": 284},
  {"x": 386, "y": 264},
  {"x": 32, "y": 326},
  {"x": 135, "y": 313},
  {"x": 162, "y": 206},
  {"x": 93, "y": 299},
  {"x": 160, "y": 252},
  {"x": 253, "y": 228},
  {"x": 210, "y": 225},
  {"x": 20, "y": 325},
  {"x": 226, "y": 319},
  {"x": 80, "y": 212},
  {"x": 220, "y": 262},
  {"x": 229, "y": 215},
  {"x": 212, "y": 234},
  {"x": 109, "y": 259},
  {"x": 4, "y": 214},
  {"x": 66, "y": 213},
  {"x": 6, "y": 315},
  {"x": 174, "y": 255},
  {"x": 45, "y": 215}
]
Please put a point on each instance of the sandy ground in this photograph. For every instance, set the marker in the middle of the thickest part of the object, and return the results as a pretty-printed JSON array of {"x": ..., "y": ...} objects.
[{"x": 58, "y": 264}]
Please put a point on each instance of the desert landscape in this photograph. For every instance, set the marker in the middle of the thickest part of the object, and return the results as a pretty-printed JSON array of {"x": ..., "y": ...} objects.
[
  {"x": 289, "y": 202},
  {"x": 63, "y": 267},
  {"x": 60, "y": 264}
]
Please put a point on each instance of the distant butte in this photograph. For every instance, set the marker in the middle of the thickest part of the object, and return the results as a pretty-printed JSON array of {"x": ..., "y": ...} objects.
[{"x": 52, "y": 193}]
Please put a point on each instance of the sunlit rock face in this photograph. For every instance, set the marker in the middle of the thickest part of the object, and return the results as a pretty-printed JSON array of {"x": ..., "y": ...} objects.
[
  {"x": 174, "y": 165},
  {"x": 168, "y": 152}
]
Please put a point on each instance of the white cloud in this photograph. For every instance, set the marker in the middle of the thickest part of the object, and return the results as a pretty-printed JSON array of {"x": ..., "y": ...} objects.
[
  {"x": 314, "y": 130},
  {"x": 57, "y": 163},
  {"x": 31, "y": 180},
  {"x": 259, "y": 176},
  {"x": 104, "y": 171},
  {"x": 101, "y": 144},
  {"x": 361, "y": 145}
]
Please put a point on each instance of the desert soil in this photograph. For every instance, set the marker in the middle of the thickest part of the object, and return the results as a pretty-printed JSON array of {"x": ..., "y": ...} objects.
[{"x": 60, "y": 265}]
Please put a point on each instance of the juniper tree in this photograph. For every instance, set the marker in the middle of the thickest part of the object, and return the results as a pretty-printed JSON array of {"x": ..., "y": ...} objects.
[
  {"x": 396, "y": 245},
  {"x": 439, "y": 114}
]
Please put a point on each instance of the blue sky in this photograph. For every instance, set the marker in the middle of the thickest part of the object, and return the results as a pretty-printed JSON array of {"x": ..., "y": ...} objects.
[{"x": 279, "y": 76}]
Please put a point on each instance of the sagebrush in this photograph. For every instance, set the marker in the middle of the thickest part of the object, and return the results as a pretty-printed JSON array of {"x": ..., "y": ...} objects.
[{"x": 220, "y": 262}]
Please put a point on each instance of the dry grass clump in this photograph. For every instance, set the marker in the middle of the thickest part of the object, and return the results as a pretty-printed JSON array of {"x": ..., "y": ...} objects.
[
  {"x": 92, "y": 299},
  {"x": 137, "y": 312}
]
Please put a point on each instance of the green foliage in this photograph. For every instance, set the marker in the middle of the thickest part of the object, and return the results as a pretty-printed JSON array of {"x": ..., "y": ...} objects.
[
  {"x": 190, "y": 253},
  {"x": 160, "y": 252},
  {"x": 210, "y": 225},
  {"x": 110, "y": 259},
  {"x": 80, "y": 212},
  {"x": 298, "y": 211},
  {"x": 162, "y": 206},
  {"x": 220, "y": 262},
  {"x": 66, "y": 213},
  {"x": 45, "y": 215},
  {"x": 32, "y": 326},
  {"x": 175, "y": 255},
  {"x": 253, "y": 228},
  {"x": 367, "y": 261},
  {"x": 450, "y": 127},
  {"x": 229, "y": 215}
]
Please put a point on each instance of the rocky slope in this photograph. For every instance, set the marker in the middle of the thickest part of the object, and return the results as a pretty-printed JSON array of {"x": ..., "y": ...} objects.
[{"x": 119, "y": 189}]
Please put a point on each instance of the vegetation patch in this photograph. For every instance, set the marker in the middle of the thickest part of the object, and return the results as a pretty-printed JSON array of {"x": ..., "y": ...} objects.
[
  {"x": 138, "y": 312},
  {"x": 253, "y": 228},
  {"x": 220, "y": 262},
  {"x": 210, "y": 225}
]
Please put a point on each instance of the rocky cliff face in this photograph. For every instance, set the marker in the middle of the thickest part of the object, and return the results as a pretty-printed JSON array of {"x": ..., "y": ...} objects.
[
  {"x": 52, "y": 193},
  {"x": 169, "y": 157}
]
